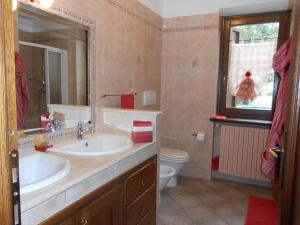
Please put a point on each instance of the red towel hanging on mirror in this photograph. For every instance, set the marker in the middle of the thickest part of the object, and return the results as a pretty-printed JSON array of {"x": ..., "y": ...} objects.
[
  {"x": 22, "y": 91},
  {"x": 246, "y": 89}
]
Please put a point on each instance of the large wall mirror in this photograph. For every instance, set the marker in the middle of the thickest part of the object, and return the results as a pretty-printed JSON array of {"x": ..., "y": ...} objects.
[{"x": 52, "y": 71}]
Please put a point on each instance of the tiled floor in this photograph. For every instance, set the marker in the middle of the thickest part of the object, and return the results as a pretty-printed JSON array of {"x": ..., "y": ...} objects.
[{"x": 199, "y": 202}]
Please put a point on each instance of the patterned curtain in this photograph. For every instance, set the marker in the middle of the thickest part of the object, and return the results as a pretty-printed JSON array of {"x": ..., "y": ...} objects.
[{"x": 254, "y": 57}]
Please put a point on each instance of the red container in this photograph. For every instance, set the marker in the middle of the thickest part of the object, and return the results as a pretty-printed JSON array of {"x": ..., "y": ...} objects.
[
  {"x": 42, "y": 149},
  {"x": 45, "y": 120},
  {"x": 142, "y": 131},
  {"x": 127, "y": 101}
]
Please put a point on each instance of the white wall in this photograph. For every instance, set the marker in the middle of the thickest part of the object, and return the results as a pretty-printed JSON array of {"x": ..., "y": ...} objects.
[
  {"x": 175, "y": 8},
  {"x": 263, "y": 7},
  {"x": 154, "y": 5}
]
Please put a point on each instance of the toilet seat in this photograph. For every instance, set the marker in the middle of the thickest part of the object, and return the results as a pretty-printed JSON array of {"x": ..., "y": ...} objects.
[{"x": 173, "y": 155}]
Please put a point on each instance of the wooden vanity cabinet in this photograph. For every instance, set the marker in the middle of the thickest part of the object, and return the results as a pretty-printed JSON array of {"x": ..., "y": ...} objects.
[
  {"x": 106, "y": 210},
  {"x": 128, "y": 200}
]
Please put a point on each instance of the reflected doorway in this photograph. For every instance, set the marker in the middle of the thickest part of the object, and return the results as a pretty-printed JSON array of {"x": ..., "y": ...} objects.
[{"x": 47, "y": 74}]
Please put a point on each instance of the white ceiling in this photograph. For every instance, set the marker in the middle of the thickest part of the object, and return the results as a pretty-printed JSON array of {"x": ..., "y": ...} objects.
[
  {"x": 154, "y": 5},
  {"x": 175, "y": 8}
]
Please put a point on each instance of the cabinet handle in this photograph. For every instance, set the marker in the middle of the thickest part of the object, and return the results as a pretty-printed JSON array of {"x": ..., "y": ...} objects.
[
  {"x": 83, "y": 221},
  {"x": 143, "y": 183}
]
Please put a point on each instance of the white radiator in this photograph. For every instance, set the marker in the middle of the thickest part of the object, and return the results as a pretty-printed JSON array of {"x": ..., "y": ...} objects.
[{"x": 240, "y": 151}]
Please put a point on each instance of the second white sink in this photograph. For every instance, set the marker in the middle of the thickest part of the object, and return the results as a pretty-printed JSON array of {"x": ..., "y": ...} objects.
[
  {"x": 104, "y": 144},
  {"x": 38, "y": 170}
]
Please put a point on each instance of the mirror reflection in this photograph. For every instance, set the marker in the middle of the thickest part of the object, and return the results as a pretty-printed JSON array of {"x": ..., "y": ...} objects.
[{"x": 51, "y": 71}]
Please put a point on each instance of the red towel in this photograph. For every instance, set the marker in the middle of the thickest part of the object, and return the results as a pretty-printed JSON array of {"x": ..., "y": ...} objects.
[
  {"x": 138, "y": 123},
  {"x": 127, "y": 101},
  {"x": 142, "y": 131},
  {"x": 22, "y": 91},
  {"x": 281, "y": 64}
]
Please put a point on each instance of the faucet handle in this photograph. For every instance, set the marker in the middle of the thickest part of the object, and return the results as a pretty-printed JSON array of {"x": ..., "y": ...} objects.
[
  {"x": 80, "y": 124},
  {"x": 56, "y": 124},
  {"x": 50, "y": 127}
]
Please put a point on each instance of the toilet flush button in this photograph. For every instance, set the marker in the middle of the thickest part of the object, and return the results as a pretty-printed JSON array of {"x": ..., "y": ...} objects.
[{"x": 149, "y": 98}]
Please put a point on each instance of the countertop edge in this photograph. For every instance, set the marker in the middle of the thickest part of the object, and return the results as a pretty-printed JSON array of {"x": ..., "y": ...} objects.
[{"x": 75, "y": 190}]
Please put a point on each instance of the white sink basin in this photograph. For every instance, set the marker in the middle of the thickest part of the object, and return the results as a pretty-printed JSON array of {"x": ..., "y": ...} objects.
[
  {"x": 100, "y": 145},
  {"x": 39, "y": 170}
]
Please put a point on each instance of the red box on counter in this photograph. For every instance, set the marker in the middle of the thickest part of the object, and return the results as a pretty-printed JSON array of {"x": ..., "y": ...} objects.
[
  {"x": 142, "y": 131},
  {"x": 46, "y": 119},
  {"x": 127, "y": 101}
]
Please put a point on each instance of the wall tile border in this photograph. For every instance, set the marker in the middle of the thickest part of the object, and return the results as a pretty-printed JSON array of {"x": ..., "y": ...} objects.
[
  {"x": 115, "y": 3},
  {"x": 192, "y": 28}
]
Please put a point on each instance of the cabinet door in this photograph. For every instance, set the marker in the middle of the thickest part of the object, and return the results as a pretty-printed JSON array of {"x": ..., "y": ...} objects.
[
  {"x": 141, "y": 207},
  {"x": 70, "y": 221},
  {"x": 140, "y": 181},
  {"x": 106, "y": 210},
  {"x": 149, "y": 219}
]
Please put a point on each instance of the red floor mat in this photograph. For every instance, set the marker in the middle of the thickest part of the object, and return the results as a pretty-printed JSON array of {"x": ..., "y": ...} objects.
[{"x": 261, "y": 211}]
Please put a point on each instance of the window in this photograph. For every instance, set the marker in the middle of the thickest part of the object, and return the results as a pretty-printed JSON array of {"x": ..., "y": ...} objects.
[{"x": 247, "y": 82}]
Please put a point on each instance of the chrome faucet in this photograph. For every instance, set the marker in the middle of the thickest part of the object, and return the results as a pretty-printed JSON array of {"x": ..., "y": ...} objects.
[
  {"x": 80, "y": 130},
  {"x": 54, "y": 126}
]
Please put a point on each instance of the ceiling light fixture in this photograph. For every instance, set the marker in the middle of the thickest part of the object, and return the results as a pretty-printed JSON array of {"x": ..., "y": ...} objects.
[{"x": 46, "y": 3}]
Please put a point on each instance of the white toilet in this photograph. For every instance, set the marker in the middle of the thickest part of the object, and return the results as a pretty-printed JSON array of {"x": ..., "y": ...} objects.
[
  {"x": 174, "y": 158},
  {"x": 165, "y": 174}
]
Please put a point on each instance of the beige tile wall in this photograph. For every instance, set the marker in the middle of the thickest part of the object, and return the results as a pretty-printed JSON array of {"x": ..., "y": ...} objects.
[
  {"x": 132, "y": 53},
  {"x": 190, "y": 54},
  {"x": 128, "y": 42}
]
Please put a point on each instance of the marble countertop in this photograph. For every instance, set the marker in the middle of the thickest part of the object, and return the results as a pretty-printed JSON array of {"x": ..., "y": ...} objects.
[{"x": 86, "y": 175}]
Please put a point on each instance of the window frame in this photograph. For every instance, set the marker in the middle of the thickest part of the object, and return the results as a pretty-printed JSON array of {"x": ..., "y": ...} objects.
[{"x": 283, "y": 17}]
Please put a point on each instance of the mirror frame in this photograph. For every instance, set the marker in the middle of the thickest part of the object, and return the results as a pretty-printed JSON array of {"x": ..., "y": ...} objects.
[{"x": 91, "y": 25}]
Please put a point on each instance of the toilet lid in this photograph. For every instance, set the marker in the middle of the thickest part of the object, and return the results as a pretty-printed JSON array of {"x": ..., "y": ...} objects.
[{"x": 173, "y": 154}]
